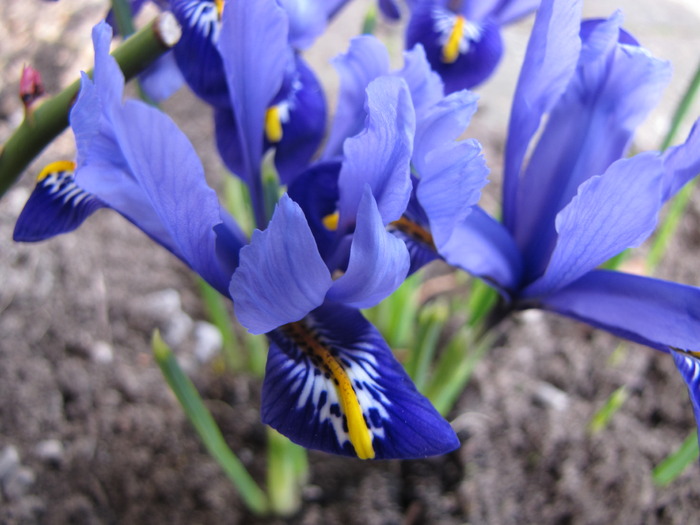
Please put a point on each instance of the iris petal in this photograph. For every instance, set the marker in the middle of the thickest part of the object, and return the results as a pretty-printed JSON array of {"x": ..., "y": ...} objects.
[
  {"x": 550, "y": 61},
  {"x": 380, "y": 155},
  {"x": 682, "y": 163},
  {"x": 660, "y": 314},
  {"x": 196, "y": 53},
  {"x": 611, "y": 213},
  {"x": 57, "y": 205},
  {"x": 614, "y": 88},
  {"x": 378, "y": 261},
  {"x": 689, "y": 367},
  {"x": 281, "y": 276},
  {"x": 366, "y": 60},
  {"x": 302, "y": 400}
]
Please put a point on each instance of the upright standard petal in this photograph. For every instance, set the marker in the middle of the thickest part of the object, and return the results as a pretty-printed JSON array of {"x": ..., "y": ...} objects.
[
  {"x": 611, "y": 213},
  {"x": 332, "y": 384},
  {"x": 550, "y": 62},
  {"x": 366, "y": 60},
  {"x": 380, "y": 156},
  {"x": 378, "y": 261},
  {"x": 615, "y": 87},
  {"x": 254, "y": 49},
  {"x": 281, "y": 276},
  {"x": 660, "y": 314}
]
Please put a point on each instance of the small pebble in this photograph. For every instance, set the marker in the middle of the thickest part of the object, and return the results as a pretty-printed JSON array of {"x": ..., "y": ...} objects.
[
  {"x": 177, "y": 328},
  {"x": 101, "y": 352},
  {"x": 208, "y": 341},
  {"x": 9, "y": 462},
  {"x": 550, "y": 396},
  {"x": 16, "y": 485},
  {"x": 50, "y": 451}
]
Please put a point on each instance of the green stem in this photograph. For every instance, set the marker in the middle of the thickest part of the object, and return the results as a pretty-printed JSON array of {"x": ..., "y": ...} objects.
[
  {"x": 48, "y": 120},
  {"x": 124, "y": 17},
  {"x": 682, "y": 109}
]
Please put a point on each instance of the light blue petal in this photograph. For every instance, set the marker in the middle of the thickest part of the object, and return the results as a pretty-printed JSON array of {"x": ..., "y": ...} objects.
[
  {"x": 378, "y": 261},
  {"x": 307, "y": 21},
  {"x": 302, "y": 400},
  {"x": 380, "y": 155},
  {"x": 162, "y": 79},
  {"x": 613, "y": 90},
  {"x": 660, "y": 314},
  {"x": 366, "y": 60},
  {"x": 425, "y": 85},
  {"x": 610, "y": 213},
  {"x": 164, "y": 191},
  {"x": 484, "y": 248},
  {"x": 281, "y": 276},
  {"x": 442, "y": 124},
  {"x": 253, "y": 47},
  {"x": 682, "y": 163},
  {"x": 450, "y": 186},
  {"x": 550, "y": 62}
]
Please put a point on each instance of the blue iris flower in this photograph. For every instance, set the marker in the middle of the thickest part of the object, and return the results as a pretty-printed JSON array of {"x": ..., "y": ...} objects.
[
  {"x": 447, "y": 174},
  {"x": 578, "y": 201},
  {"x": 331, "y": 382},
  {"x": 462, "y": 39}
]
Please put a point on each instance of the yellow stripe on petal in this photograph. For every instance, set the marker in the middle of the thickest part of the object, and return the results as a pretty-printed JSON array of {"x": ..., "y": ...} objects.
[
  {"x": 273, "y": 124},
  {"x": 358, "y": 431},
  {"x": 219, "y": 7},
  {"x": 450, "y": 50},
  {"x": 56, "y": 167}
]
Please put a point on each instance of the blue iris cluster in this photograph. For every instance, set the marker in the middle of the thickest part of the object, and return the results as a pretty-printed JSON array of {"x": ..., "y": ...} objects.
[{"x": 387, "y": 189}]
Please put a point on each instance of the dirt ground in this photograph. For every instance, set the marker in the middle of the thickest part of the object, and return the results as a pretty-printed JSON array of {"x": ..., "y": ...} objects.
[{"x": 90, "y": 434}]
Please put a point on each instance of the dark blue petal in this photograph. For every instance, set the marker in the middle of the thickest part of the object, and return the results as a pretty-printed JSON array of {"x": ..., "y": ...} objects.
[
  {"x": 689, "y": 367},
  {"x": 366, "y": 60},
  {"x": 378, "y": 261},
  {"x": 380, "y": 155},
  {"x": 57, "y": 205},
  {"x": 480, "y": 49},
  {"x": 660, "y": 314},
  {"x": 302, "y": 400},
  {"x": 550, "y": 61},
  {"x": 316, "y": 191},
  {"x": 281, "y": 276},
  {"x": 610, "y": 213},
  {"x": 196, "y": 53},
  {"x": 228, "y": 142},
  {"x": 390, "y": 9},
  {"x": 305, "y": 107},
  {"x": 614, "y": 88}
]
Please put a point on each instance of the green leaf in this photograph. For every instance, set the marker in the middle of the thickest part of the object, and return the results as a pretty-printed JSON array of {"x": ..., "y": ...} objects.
[
  {"x": 602, "y": 417},
  {"x": 210, "y": 434},
  {"x": 675, "y": 463}
]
